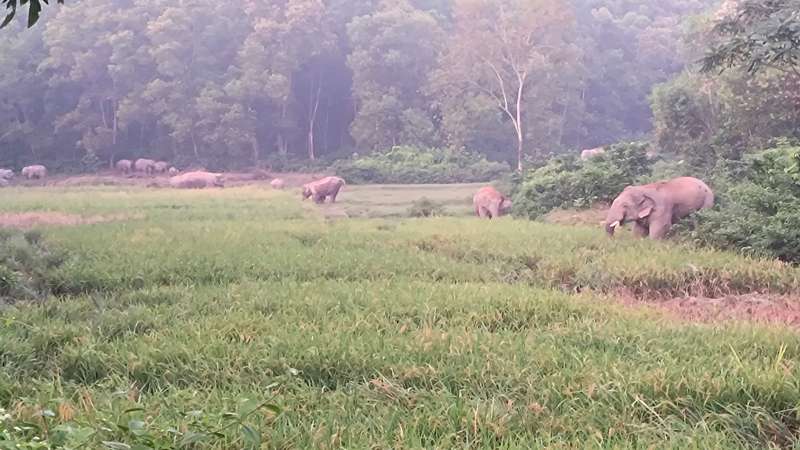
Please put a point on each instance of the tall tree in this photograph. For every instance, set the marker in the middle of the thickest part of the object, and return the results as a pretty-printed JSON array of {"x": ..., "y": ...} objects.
[
  {"x": 757, "y": 35},
  {"x": 393, "y": 52},
  {"x": 509, "y": 51}
]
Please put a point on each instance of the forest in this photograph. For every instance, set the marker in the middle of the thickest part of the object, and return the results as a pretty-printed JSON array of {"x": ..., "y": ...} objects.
[{"x": 267, "y": 82}]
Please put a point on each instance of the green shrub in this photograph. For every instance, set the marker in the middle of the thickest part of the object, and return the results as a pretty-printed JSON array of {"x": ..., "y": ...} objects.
[
  {"x": 411, "y": 165},
  {"x": 566, "y": 182},
  {"x": 757, "y": 206},
  {"x": 25, "y": 265},
  {"x": 425, "y": 207}
]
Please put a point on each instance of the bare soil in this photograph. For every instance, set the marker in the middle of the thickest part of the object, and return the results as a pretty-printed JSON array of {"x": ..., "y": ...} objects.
[
  {"x": 33, "y": 219},
  {"x": 759, "y": 308}
]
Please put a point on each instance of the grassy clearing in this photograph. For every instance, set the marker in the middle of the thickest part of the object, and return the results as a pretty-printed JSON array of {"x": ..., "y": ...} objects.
[{"x": 387, "y": 333}]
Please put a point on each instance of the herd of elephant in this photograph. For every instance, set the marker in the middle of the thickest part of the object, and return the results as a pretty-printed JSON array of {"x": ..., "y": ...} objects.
[
  {"x": 36, "y": 172},
  {"x": 651, "y": 208}
]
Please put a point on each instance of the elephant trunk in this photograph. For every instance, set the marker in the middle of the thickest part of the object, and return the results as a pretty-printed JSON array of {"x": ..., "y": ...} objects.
[{"x": 614, "y": 220}]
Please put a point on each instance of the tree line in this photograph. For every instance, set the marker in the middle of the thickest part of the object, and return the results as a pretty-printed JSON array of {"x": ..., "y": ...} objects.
[{"x": 248, "y": 84}]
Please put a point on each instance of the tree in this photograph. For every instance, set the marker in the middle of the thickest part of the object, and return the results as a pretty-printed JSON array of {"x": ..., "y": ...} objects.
[
  {"x": 509, "y": 51},
  {"x": 393, "y": 52},
  {"x": 758, "y": 35}
]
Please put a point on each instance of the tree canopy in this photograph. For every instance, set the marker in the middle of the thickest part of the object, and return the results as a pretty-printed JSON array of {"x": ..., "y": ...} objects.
[{"x": 267, "y": 82}]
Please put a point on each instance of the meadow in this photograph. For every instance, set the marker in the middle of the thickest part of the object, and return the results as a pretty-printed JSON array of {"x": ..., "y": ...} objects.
[{"x": 243, "y": 318}]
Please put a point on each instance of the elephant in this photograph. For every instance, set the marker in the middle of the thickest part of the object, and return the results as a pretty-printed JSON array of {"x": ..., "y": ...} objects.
[
  {"x": 197, "y": 180},
  {"x": 36, "y": 171},
  {"x": 172, "y": 171},
  {"x": 277, "y": 183},
  {"x": 654, "y": 208},
  {"x": 4, "y": 183},
  {"x": 124, "y": 166},
  {"x": 145, "y": 165},
  {"x": 321, "y": 189},
  {"x": 490, "y": 203},
  {"x": 6, "y": 174},
  {"x": 591, "y": 153},
  {"x": 161, "y": 167}
]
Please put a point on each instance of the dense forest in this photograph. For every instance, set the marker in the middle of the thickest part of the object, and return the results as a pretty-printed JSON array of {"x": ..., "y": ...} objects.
[{"x": 205, "y": 82}]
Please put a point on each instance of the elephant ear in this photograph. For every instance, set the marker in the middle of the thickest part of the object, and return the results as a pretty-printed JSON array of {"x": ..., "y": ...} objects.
[{"x": 646, "y": 206}]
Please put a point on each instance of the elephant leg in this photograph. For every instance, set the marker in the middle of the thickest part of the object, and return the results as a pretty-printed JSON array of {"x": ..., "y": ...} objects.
[
  {"x": 334, "y": 194},
  {"x": 482, "y": 212},
  {"x": 659, "y": 227},
  {"x": 494, "y": 210},
  {"x": 640, "y": 230}
]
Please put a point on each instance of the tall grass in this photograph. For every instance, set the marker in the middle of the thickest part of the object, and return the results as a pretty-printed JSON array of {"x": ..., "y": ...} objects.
[{"x": 239, "y": 316}]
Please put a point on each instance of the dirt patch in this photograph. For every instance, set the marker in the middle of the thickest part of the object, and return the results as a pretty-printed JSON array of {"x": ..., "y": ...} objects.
[
  {"x": 33, "y": 219},
  {"x": 592, "y": 216},
  {"x": 759, "y": 308}
]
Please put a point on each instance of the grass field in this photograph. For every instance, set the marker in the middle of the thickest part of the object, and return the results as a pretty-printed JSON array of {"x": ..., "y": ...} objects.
[{"x": 243, "y": 318}]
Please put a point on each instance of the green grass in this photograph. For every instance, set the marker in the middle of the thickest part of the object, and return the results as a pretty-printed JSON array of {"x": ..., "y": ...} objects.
[{"x": 377, "y": 333}]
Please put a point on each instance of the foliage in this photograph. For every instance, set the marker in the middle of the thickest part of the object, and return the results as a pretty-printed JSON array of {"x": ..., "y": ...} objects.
[
  {"x": 568, "y": 183},
  {"x": 34, "y": 10},
  {"x": 425, "y": 207},
  {"x": 410, "y": 165},
  {"x": 758, "y": 207},
  {"x": 757, "y": 35},
  {"x": 307, "y": 79},
  {"x": 27, "y": 265}
]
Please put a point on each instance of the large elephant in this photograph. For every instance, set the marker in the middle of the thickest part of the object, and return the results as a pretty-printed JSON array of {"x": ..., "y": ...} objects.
[
  {"x": 321, "y": 189},
  {"x": 161, "y": 167},
  {"x": 490, "y": 203},
  {"x": 591, "y": 153},
  {"x": 145, "y": 165},
  {"x": 124, "y": 166},
  {"x": 654, "y": 208},
  {"x": 37, "y": 171},
  {"x": 6, "y": 174}
]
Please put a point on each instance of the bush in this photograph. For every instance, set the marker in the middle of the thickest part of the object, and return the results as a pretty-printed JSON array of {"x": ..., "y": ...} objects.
[
  {"x": 757, "y": 206},
  {"x": 425, "y": 207},
  {"x": 566, "y": 182},
  {"x": 25, "y": 265},
  {"x": 411, "y": 165}
]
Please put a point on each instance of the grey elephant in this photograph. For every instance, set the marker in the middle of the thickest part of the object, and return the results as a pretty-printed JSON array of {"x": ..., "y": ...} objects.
[
  {"x": 654, "y": 208},
  {"x": 319, "y": 190},
  {"x": 591, "y": 153},
  {"x": 6, "y": 174},
  {"x": 490, "y": 203},
  {"x": 172, "y": 171},
  {"x": 145, "y": 165},
  {"x": 37, "y": 171},
  {"x": 197, "y": 180},
  {"x": 161, "y": 167},
  {"x": 124, "y": 166},
  {"x": 277, "y": 183}
]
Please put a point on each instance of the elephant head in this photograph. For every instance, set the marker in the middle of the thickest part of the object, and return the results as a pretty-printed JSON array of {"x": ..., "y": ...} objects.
[
  {"x": 505, "y": 206},
  {"x": 633, "y": 204}
]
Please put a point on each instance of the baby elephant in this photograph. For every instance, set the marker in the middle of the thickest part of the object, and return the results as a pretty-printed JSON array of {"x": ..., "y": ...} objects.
[
  {"x": 172, "y": 171},
  {"x": 197, "y": 180},
  {"x": 124, "y": 166},
  {"x": 654, "y": 208},
  {"x": 38, "y": 172},
  {"x": 6, "y": 174},
  {"x": 490, "y": 203},
  {"x": 321, "y": 189}
]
